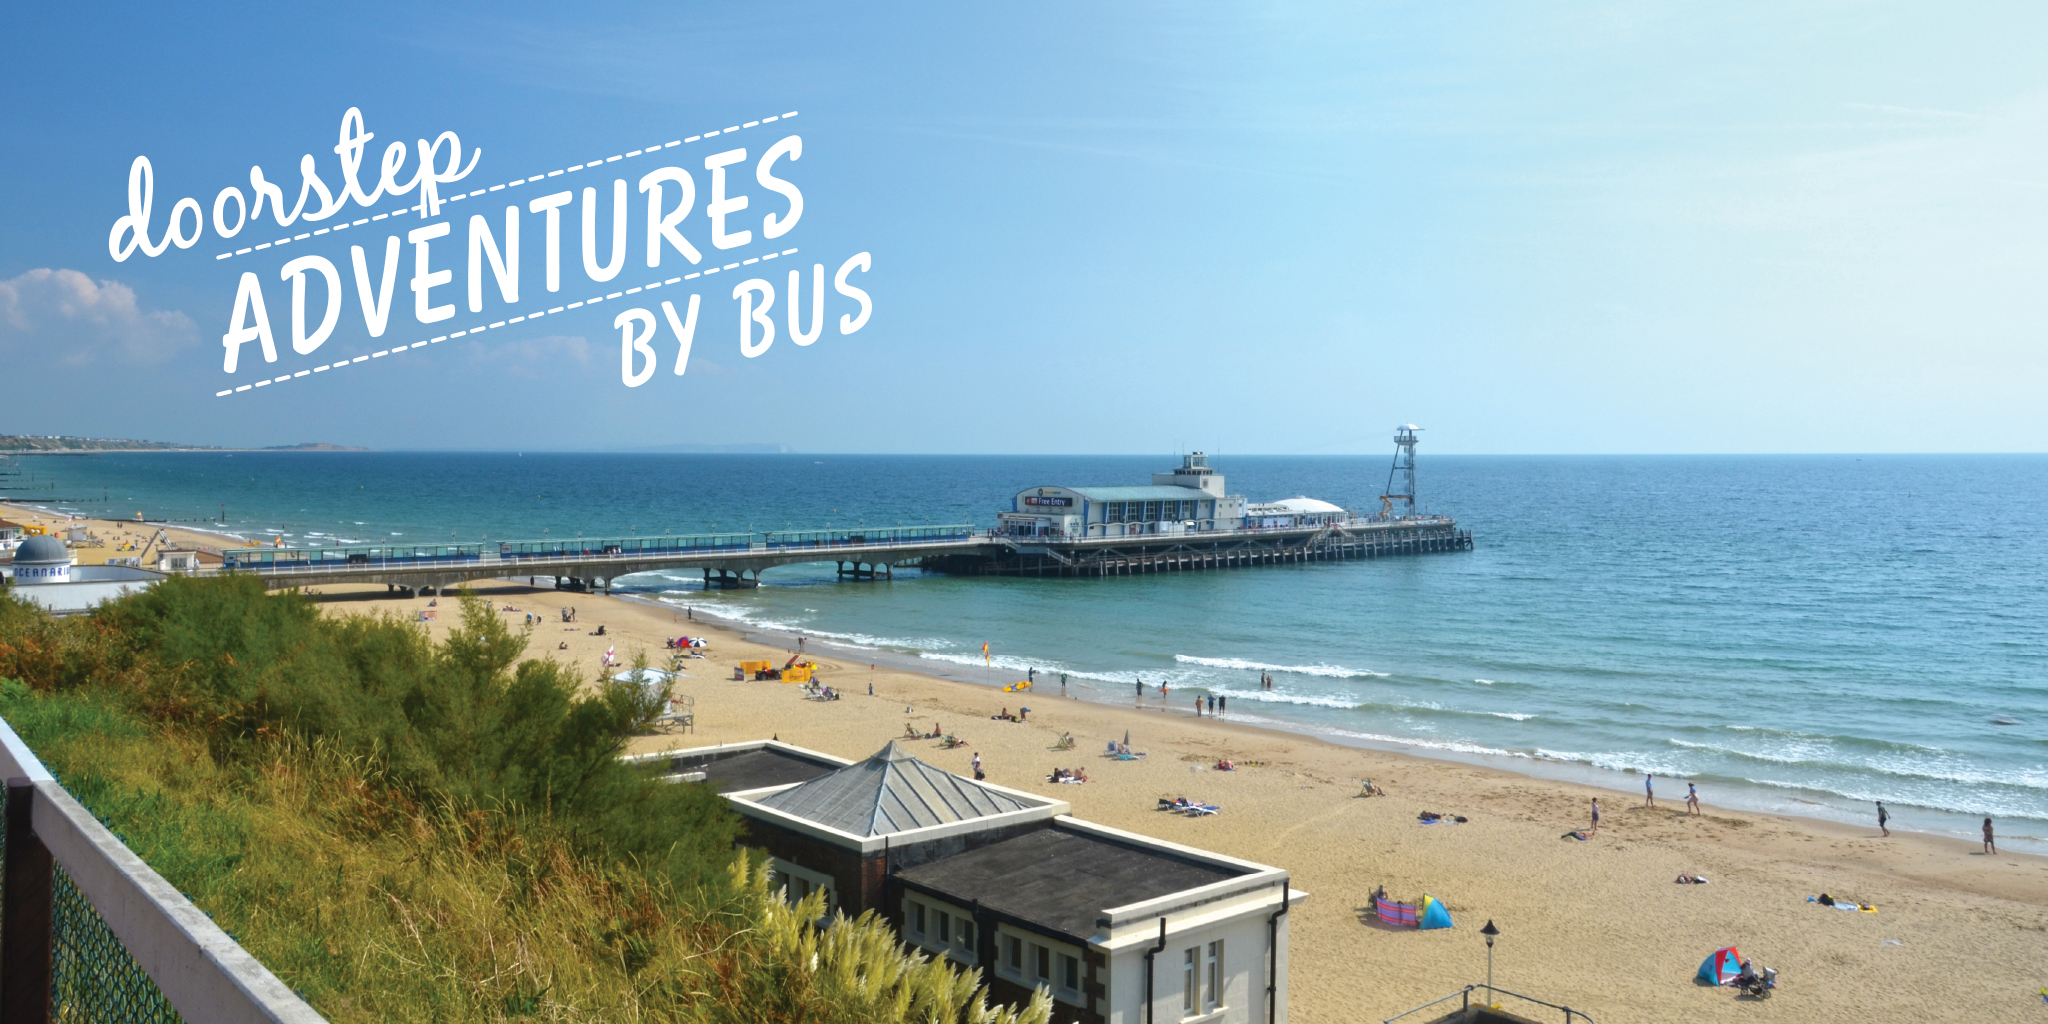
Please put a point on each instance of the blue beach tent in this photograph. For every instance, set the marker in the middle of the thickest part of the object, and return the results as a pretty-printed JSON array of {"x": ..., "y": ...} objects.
[
  {"x": 1433, "y": 913},
  {"x": 1722, "y": 967}
]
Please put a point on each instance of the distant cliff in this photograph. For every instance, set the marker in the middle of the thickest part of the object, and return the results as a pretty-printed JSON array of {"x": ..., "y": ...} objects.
[{"x": 60, "y": 444}]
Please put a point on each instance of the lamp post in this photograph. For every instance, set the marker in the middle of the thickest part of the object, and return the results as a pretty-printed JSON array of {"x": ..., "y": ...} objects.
[{"x": 1491, "y": 933}]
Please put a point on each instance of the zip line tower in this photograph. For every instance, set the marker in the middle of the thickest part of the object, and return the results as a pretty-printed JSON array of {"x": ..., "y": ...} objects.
[{"x": 1401, "y": 477}]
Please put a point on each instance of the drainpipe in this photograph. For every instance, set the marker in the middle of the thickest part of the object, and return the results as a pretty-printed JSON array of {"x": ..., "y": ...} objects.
[
  {"x": 1149, "y": 954},
  {"x": 1273, "y": 957}
]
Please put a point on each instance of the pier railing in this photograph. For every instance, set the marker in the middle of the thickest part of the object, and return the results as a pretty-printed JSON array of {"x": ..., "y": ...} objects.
[{"x": 90, "y": 933}]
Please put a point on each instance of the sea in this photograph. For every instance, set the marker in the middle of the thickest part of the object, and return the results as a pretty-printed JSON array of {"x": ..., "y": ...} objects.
[{"x": 1793, "y": 634}]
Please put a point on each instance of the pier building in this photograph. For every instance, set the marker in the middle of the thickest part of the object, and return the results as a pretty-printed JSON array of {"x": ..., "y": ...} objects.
[
  {"x": 1119, "y": 928},
  {"x": 1189, "y": 499}
]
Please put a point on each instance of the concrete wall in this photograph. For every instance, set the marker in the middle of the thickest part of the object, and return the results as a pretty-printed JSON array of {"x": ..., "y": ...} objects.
[{"x": 1245, "y": 973}]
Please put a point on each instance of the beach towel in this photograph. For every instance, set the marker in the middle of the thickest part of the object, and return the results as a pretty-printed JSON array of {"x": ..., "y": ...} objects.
[
  {"x": 1401, "y": 914},
  {"x": 1721, "y": 967}
]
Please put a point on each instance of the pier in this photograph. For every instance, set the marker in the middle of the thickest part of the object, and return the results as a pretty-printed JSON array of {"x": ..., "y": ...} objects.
[{"x": 730, "y": 560}]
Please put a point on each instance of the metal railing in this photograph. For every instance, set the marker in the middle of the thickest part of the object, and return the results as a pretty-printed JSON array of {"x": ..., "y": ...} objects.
[
  {"x": 88, "y": 932},
  {"x": 1464, "y": 995}
]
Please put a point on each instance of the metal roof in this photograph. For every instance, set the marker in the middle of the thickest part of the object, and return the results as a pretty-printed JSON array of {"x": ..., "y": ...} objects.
[
  {"x": 1064, "y": 880},
  {"x": 888, "y": 793},
  {"x": 753, "y": 769},
  {"x": 1162, "y": 492}
]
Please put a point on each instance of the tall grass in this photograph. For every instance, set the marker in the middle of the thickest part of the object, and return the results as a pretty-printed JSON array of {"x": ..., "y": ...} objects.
[{"x": 415, "y": 832}]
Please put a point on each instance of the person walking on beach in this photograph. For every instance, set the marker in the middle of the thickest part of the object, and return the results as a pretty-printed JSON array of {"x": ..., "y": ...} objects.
[
  {"x": 1596, "y": 814},
  {"x": 1649, "y": 789},
  {"x": 1220, "y": 702},
  {"x": 1063, "y": 684},
  {"x": 976, "y": 762},
  {"x": 1990, "y": 843},
  {"x": 1198, "y": 705},
  {"x": 1692, "y": 798},
  {"x": 1141, "y": 688},
  {"x": 1883, "y": 817}
]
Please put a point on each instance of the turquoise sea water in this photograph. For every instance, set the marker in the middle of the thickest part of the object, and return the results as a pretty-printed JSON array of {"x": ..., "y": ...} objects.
[{"x": 1802, "y": 634}]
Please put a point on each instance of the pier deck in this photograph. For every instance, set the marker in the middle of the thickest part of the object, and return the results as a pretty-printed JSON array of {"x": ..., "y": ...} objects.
[{"x": 738, "y": 559}]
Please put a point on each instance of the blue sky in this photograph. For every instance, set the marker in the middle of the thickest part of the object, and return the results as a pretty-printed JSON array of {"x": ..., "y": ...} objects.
[{"x": 1092, "y": 228}]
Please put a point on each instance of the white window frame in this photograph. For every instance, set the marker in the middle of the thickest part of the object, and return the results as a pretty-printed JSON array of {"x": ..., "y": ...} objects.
[
  {"x": 1025, "y": 971},
  {"x": 959, "y": 929},
  {"x": 785, "y": 871},
  {"x": 1213, "y": 977}
]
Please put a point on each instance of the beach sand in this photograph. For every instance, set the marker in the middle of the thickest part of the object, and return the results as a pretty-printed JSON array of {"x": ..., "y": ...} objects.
[
  {"x": 115, "y": 534},
  {"x": 1598, "y": 925}
]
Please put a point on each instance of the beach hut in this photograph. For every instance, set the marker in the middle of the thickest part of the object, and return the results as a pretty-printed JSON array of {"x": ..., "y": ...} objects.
[
  {"x": 1434, "y": 913},
  {"x": 1721, "y": 967}
]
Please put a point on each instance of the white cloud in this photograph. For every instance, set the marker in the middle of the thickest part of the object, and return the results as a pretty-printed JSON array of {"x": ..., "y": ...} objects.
[{"x": 63, "y": 315}]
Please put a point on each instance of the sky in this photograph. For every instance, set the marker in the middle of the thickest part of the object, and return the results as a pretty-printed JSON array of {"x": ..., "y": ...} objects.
[{"x": 1276, "y": 228}]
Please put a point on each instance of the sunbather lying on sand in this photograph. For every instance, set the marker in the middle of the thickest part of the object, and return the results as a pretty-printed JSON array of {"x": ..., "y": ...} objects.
[{"x": 1692, "y": 879}]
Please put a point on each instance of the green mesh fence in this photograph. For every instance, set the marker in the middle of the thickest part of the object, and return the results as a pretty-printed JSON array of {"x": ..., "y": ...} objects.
[{"x": 92, "y": 977}]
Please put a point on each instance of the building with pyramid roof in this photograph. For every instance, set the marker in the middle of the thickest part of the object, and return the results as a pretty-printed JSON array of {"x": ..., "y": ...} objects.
[{"x": 1120, "y": 928}]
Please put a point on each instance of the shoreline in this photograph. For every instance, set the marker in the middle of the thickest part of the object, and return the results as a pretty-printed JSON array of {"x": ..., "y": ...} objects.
[
  {"x": 1747, "y": 797},
  {"x": 1596, "y": 777}
]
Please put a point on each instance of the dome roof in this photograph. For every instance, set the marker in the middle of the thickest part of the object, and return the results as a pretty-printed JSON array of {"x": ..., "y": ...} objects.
[
  {"x": 42, "y": 551},
  {"x": 1307, "y": 505}
]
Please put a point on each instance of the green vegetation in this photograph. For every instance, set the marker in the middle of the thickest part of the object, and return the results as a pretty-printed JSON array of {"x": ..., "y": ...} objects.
[{"x": 419, "y": 832}]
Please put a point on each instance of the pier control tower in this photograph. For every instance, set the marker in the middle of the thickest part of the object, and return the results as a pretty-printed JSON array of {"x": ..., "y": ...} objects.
[{"x": 1401, "y": 477}]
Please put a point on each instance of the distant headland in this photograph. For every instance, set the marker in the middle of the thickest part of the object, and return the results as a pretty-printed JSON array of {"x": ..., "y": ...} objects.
[{"x": 62, "y": 444}]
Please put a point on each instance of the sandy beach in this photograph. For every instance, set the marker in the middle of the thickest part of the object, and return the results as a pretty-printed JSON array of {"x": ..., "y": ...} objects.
[{"x": 1598, "y": 925}]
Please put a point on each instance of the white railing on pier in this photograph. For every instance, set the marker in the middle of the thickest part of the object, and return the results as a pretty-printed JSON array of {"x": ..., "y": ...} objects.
[{"x": 200, "y": 971}]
